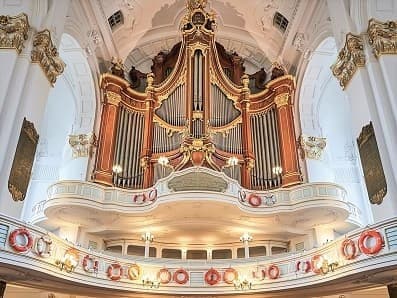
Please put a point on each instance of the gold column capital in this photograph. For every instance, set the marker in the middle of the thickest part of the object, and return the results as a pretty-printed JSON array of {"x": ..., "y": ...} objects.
[
  {"x": 13, "y": 31},
  {"x": 282, "y": 99},
  {"x": 46, "y": 55},
  {"x": 382, "y": 37},
  {"x": 350, "y": 58}
]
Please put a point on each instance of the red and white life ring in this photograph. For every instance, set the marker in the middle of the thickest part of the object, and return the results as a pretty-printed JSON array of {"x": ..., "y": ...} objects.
[
  {"x": 273, "y": 272},
  {"x": 115, "y": 267},
  {"x": 262, "y": 274},
  {"x": 90, "y": 264},
  {"x": 134, "y": 272},
  {"x": 230, "y": 275},
  {"x": 303, "y": 266},
  {"x": 151, "y": 195},
  {"x": 139, "y": 198},
  {"x": 164, "y": 276},
  {"x": 44, "y": 246},
  {"x": 317, "y": 259},
  {"x": 181, "y": 276},
  {"x": 376, "y": 247},
  {"x": 348, "y": 249},
  {"x": 254, "y": 200},
  {"x": 212, "y": 277},
  {"x": 27, "y": 243}
]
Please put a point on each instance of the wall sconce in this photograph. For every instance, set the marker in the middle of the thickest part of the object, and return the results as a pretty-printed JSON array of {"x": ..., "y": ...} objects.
[
  {"x": 277, "y": 170},
  {"x": 117, "y": 169},
  {"x": 147, "y": 237},
  {"x": 69, "y": 261},
  {"x": 232, "y": 161},
  {"x": 243, "y": 284},
  {"x": 150, "y": 283},
  {"x": 246, "y": 237},
  {"x": 327, "y": 267}
]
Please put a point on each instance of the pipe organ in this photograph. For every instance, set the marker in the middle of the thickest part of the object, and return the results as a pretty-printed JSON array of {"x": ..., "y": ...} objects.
[{"x": 197, "y": 110}]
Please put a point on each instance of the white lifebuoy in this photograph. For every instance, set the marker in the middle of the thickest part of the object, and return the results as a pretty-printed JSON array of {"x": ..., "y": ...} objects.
[
  {"x": 230, "y": 275},
  {"x": 90, "y": 265},
  {"x": 303, "y": 266},
  {"x": 152, "y": 195},
  {"x": 44, "y": 246}
]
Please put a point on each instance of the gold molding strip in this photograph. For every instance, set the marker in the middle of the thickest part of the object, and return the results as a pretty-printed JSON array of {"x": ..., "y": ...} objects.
[
  {"x": 224, "y": 130},
  {"x": 170, "y": 128},
  {"x": 46, "y": 54},
  {"x": 13, "y": 31},
  {"x": 382, "y": 37},
  {"x": 350, "y": 58}
]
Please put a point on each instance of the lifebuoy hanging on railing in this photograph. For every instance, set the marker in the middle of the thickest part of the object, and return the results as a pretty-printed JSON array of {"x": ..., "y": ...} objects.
[
  {"x": 181, "y": 276},
  {"x": 262, "y": 272},
  {"x": 212, "y": 277},
  {"x": 115, "y": 267},
  {"x": 152, "y": 195},
  {"x": 254, "y": 200},
  {"x": 375, "y": 248},
  {"x": 230, "y": 275},
  {"x": 164, "y": 276},
  {"x": 44, "y": 246},
  {"x": 303, "y": 266},
  {"x": 273, "y": 272},
  {"x": 348, "y": 249},
  {"x": 317, "y": 259},
  {"x": 21, "y": 247},
  {"x": 134, "y": 272},
  {"x": 90, "y": 265}
]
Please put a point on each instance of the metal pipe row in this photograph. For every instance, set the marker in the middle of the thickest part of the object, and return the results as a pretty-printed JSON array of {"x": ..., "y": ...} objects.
[
  {"x": 198, "y": 80},
  {"x": 222, "y": 110},
  {"x": 230, "y": 142},
  {"x": 173, "y": 108},
  {"x": 163, "y": 142}
]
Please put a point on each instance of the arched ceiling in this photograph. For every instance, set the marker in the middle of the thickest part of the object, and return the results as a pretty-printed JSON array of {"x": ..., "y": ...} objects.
[{"x": 243, "y": 26}]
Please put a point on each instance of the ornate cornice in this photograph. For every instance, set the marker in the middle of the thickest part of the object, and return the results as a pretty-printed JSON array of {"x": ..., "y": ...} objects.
[
  {"x": 382, "y": 37},
  {"x": 281, "y": 99},
  {"x": 81, "y": 144},
  {"x": 13, "y": 31},
  {"x": 113, "y": 98},
  {"x": 350, "y": 58},
  {"x": 313, "y": 147},
  {"x": 46, "y": 54}
]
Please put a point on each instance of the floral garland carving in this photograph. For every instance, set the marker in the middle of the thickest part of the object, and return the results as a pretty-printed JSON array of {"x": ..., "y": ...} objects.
[
  {"x": 312, "y": 147},
  {"x": 13, "y": 31},
  {"x": 46, "y": 54},
  {"x": 350, "y": 58},
  {"x": 382, "y": 37}
]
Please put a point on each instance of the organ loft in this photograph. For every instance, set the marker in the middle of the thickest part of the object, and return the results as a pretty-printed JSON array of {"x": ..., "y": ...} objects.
[{"x": 197, "y": 108}]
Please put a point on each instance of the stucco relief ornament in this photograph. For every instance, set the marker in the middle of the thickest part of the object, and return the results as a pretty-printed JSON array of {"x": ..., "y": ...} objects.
[
  {"x": 46, "y": 54},
  {"x": 350, "y": 58},
  {"x": 382, "y": 37},
  {"x": 313, "y": 147},
  {"x": 196, "y": 4},
  {"x": 81, "y": 144},
  {"x": 13, "y": 31}
]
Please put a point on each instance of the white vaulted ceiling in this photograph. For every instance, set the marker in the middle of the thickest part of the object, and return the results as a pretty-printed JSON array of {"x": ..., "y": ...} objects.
[{"x": 246, "y": 27}]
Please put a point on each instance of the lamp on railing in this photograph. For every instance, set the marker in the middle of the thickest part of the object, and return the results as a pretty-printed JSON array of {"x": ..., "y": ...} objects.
[
  {"x": 148, "y": 238},
  {"x": 69, "y": 261},
  {"x": 151, "y": 283},
  {"x": 277, "y": 170},
  {"x": 163, "y": 161},
  {"x": 117, "y": 169},
  {"x": 232, "y": 162},
  {"x": 246, "y": 238},
  {"x": 242, "y": 284}
]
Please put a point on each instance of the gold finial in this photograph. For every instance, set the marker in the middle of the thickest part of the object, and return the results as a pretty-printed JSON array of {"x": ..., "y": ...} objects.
[{"x": 245, "y": 80}]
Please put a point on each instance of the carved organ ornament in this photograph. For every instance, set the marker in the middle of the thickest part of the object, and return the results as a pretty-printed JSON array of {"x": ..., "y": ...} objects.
[{"x": 197, "y": 115}]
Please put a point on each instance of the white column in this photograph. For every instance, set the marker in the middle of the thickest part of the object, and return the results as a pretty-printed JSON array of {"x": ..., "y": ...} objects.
[
  {"x": 246, "y": 238},
  {"x": 148, "y": 238}
]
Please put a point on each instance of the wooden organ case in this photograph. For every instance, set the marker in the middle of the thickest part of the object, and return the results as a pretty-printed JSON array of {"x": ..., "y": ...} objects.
[{"x": 197, "y": 112}]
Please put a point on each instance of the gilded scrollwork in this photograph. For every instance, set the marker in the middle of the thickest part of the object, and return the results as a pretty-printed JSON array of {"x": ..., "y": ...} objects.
[
  {"x": 350, "y": 58},
  {"x": 46, "y": 54},
  {"x": 382, "y": 37},
  {"x": 13, "y": 31},
  {"x": 81, "y": 144},
  {"x": 313, "y": 147},
  {"x": 281, "y": 99}
]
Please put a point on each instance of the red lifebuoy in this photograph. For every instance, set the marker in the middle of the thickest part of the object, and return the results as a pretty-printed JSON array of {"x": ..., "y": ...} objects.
[
  {"x": 177, "y": 276},
  {"x": 303, "y": 266},
  {"x": 21, "y": 247},
  {"x": 230, "y": 275},
  {"x": 375, "y": 248},
  {"x": 348, "y": 249},
  {"x": 314, "y": 263},
  {"x": 152, "y": 195},
  {"x": 110, "y": 271},
  {"x": 139, "y": 198},
  {"x": 273, "y": 272},
  {"x": 90, "y": 264},
  {"x": 254, "y": 200},
  {"x": 212, "y": 277},
  {"x": 164, "y": 275}
]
